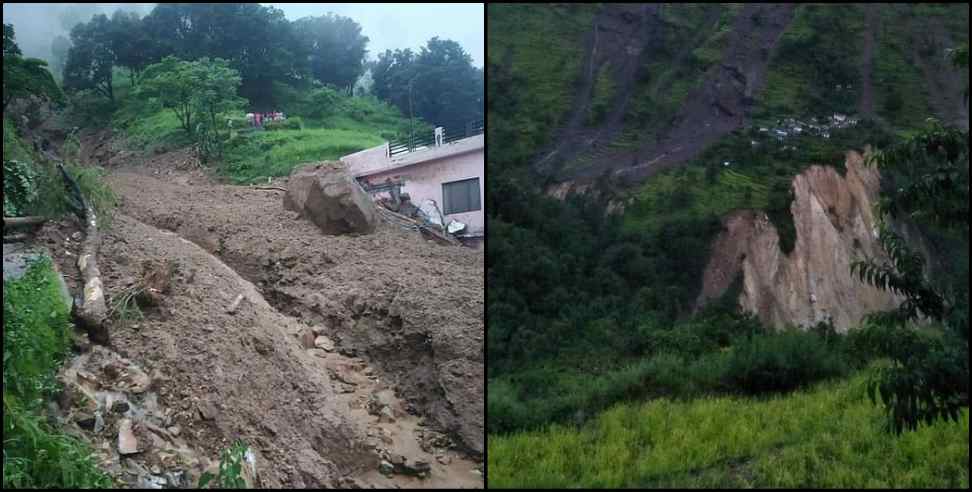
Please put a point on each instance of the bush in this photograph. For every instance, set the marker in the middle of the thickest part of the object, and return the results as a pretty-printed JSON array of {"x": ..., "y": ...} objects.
[
  {"x": 19, "y": 187},
  {"x": 36, "y": 339},
  {"x": 291, "y": 123},
  {"x": 782, "y": 361}
]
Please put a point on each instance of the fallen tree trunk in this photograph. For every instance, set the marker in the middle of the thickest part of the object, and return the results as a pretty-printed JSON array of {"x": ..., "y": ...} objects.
[
  {"x": 92, "y": 313},
  {"x": 22, "y": 221}
]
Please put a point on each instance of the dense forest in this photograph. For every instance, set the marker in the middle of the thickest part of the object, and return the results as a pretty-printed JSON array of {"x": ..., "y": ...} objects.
[{"x": 265, "y": 48}]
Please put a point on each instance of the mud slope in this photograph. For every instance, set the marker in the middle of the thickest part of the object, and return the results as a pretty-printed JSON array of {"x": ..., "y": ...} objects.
[
  {"x": 622, "y": 36},
  {"x": 244, "y": 374},
  {"x": 832, "y": 214},
  {"x": 719, "y": 105},
  {"x": 412, "y": 309}
]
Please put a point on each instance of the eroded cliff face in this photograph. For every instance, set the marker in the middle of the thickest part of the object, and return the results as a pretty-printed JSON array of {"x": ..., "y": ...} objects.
[{"x": 835, "y": 225}]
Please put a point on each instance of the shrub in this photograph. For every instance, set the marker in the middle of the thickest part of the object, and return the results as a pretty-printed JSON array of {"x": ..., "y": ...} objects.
[
  {"x": 291, "y": 123},
  {"x": 782, "y": 361},
  {"x": 506, "y": 413},
  {"x": 230, "y": 474},
  {"x": 35, "y": 341},
  {"x": 19, "y": 187}
]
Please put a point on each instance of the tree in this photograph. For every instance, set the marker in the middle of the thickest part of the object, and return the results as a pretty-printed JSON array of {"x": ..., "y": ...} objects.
[
  {"x": 439, "y": 84},
  {"x": 333, "y": 46},
  {"x": 927, "y": 380},
  {"x": 24, "y": 77},
  {"x": 129, "y": 43},
  {"x": 91, "y": 59},
  {"x": 193, "y": 89},
  {"x": 258, "y": 41}
]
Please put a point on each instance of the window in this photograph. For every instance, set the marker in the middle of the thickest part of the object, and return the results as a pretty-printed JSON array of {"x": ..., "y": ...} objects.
[{"x": 460, "y": 196}]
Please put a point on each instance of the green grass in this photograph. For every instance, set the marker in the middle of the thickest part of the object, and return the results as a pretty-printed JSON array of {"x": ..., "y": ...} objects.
[
  {"x": 255, "y": 156},
  {"x": 827, "y": 436},
  {"x": 36, "y": 339},
  {"x": 544, "y": 46}
]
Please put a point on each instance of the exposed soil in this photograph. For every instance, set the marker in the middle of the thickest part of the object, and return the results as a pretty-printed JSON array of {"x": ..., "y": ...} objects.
[
  {"x": 944, "y": 81},
  {"x": 622, "y": 36},
  {"x": 718, "y": 106},
  {"x": 402, "y": 384}
]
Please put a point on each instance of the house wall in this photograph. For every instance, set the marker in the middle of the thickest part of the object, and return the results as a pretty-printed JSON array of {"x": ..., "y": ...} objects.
[
  {"x": 367, "y": 160},
  {"x": 424, "y": 180}
]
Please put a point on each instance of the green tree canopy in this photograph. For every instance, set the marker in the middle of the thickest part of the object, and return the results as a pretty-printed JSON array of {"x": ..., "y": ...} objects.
[
  {"x": 333, "y": 46},
  {"x": 193, "y": 89},
  {"x": 438, "y": 84},
  {"x": 24, "y": 77},
  {"x": 91, "y": 57}
]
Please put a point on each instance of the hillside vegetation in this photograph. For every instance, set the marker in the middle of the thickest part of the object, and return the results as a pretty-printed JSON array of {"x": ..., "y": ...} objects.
[
  {"x": 829, "y": 436},
  {"x": 593, "y": 322}
]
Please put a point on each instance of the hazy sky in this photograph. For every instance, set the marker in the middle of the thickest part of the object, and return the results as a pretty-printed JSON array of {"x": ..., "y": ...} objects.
[
  {"x": 406, "y": 25},
  {"x": 388, "y": 26}
]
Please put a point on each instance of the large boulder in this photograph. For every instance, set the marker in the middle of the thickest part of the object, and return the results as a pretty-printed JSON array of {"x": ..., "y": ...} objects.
[{"x": 326, "y": 194}]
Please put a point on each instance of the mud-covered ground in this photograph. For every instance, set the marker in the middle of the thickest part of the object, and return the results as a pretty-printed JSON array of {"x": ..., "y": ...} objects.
[{"x": 405, "y": 316}]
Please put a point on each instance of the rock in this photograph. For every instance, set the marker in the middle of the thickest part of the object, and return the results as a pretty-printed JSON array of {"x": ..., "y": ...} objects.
[
  {"x": 307, "y": 339},
  {"x": 327, "y": 194},
  {"x": 385, "y": 415},
  {"x": 420, "y": 468},
  {"x": 174, "y": 431},
  {"x": 325, "y": 343},
  {"x": 386, "y": 468},
  {"x": 444, "y": 459},
  {"x": 127, "y": 443},
  {"x": 207, "y": 410},
  {"x": 85, "y": 421},
  {"x": 120, "y": 407},
  {"x": 397, "y": 459}
]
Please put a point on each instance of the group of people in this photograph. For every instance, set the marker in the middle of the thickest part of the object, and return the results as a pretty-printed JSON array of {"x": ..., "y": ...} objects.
[{"x": 257, "y": 119}]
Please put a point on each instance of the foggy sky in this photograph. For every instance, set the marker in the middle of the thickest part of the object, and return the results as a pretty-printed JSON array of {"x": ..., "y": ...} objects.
[
  {"x": 406, "y": 25},
  {"x": 388, "y": 26}
]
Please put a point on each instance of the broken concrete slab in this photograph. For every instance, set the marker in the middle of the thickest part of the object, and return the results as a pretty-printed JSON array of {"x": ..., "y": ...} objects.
[{"x": 127, "y": 443}]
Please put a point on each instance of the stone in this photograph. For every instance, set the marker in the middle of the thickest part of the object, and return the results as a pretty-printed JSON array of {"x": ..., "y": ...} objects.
[
  {"x": 207, "y": 410},
  {"x": 85, "y": 421},
  {"x": 328, "y": 195},
  {"x": 386, "y": 468},
  {"x": 307, "y": 339},
  {"x": 444, "y": 459},
  {"x": 325, "y": 343},
  {"x": 385, "y": 415},
  {"x": 174, "y": 431},
  {"x": 127, "y": 443},
  {"x": 420, "y": 467},
  {"x": 120, "y": 406}
]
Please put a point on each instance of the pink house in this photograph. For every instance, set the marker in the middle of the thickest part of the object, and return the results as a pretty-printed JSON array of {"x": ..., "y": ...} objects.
[{"x": 448, "y": 172}]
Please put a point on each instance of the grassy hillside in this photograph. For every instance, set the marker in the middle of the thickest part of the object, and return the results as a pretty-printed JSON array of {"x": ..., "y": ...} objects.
[
  {"x": 829, "y": 436},
  {"x": 329, "y": 128}
]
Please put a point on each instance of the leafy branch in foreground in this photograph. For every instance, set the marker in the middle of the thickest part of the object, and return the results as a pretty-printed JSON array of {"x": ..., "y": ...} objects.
[{"x": 929, "y": 376}]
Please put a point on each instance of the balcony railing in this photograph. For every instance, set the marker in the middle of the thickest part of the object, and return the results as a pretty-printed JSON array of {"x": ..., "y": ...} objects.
[{"x": 427, "y": 140}]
